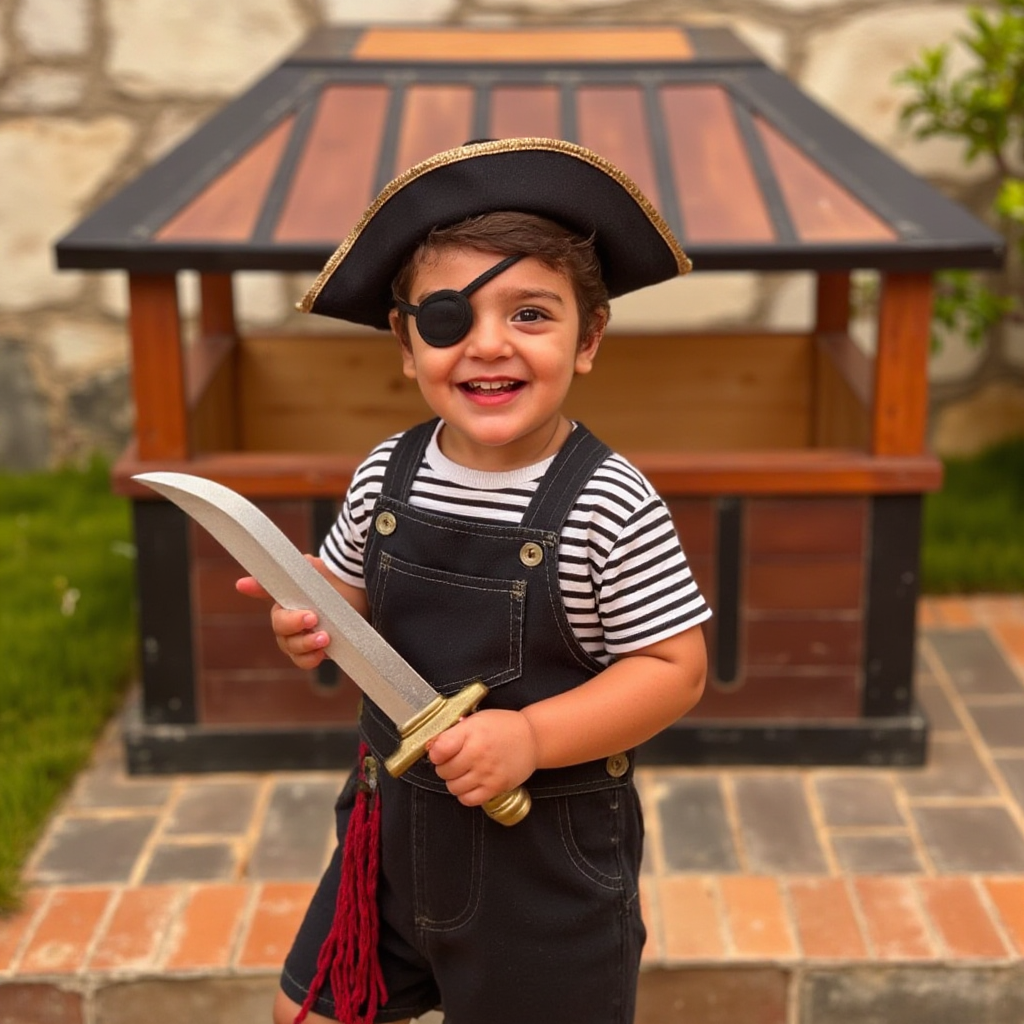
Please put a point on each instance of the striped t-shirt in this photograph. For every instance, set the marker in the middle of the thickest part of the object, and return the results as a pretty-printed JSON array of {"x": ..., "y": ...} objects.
[{"x": 624, "y": 579}]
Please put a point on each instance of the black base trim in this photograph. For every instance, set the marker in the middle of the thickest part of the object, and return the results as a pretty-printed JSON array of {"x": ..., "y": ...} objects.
[
  {"x": 184, "y": 749},
  {"x": 885, "y": 742}
]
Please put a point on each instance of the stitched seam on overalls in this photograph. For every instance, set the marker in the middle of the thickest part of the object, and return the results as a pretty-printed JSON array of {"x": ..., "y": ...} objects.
[
  {"x": 444, "y": 576},
  {"x": 631, "y": 799},
  {"x": 384, "y": 563},
  {"x": 325, "y": 1005},
  {"x": 550, "y": 483},
  {"x": 467, "y": 527},
  {"x": 581, "y": 473},
  {"x": 425, "y": 923},
  {"x": 573, "y": 788},
  {"x": 579, "y": 654},
  {"x": 498, "y": 532},
  {"x": 554, "y": 481},
  {"x": 324, "y": 997},
  {"x": 571, "y": 847}
]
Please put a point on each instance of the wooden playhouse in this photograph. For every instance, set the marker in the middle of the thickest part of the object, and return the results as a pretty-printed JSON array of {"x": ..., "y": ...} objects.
[{"x": 795, "y": 465}]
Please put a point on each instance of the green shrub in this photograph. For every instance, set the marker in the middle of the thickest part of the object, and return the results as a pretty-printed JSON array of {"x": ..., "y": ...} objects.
[
  {"x": 982, "y": 107},
  {"x": 974, "y": 526}
]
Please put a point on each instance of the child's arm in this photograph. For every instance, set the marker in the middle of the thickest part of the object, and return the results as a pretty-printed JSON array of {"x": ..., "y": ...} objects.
[
  {"x": 296, "y": 631},
  {"x": 630, "y": 701}
]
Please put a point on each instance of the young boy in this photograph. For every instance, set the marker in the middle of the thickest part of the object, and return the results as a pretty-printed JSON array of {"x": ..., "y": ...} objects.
[{"x": 502, "y": 543}]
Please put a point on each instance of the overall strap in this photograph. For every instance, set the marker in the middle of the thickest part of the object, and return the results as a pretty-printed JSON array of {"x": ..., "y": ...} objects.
[
  {"x": 405, "y": 461},
  {"x": 567, "y": 475}
]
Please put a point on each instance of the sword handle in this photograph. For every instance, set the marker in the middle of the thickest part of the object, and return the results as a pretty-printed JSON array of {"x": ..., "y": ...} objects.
[
  {"x": 506, "y": 808},
  {"x": 509, "y": 807}
]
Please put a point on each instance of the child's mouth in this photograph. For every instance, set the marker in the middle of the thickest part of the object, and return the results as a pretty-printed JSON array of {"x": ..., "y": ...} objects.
[{"x": 487, "y": 388}]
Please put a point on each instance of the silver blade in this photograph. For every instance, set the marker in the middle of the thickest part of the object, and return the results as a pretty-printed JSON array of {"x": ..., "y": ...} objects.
[{"x": 266, "y": 553}]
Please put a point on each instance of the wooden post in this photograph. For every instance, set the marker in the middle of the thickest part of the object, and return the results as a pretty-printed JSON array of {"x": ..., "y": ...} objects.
[
  {"x": 217, "y": 315},
  {"x": 210, "y": 369},
  {"x": 158, "y": 377},
  {"x": 900, "y": 418},
  {"x": 831, "y": 322},
  {"x": 832, "y": 311}
]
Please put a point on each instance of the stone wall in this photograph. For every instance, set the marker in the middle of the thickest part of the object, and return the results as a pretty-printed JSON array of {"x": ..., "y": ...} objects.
[{"x": 93, "y": 91}]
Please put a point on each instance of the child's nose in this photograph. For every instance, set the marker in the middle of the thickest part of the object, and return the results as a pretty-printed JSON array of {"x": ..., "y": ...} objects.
[{"x": 488, "y": 338}]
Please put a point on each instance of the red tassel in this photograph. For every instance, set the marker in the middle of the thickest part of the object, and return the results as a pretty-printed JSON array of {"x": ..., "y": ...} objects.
[{"x": 349, "y": 953}]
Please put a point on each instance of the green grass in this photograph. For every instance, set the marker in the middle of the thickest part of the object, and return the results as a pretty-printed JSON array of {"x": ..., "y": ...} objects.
[
  {"x": 974, "y": 526},
  {"x": 66, "y": 641}
]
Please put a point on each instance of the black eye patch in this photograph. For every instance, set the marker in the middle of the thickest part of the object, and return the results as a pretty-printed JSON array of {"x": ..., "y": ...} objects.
[{"x": 445, "y": 317}]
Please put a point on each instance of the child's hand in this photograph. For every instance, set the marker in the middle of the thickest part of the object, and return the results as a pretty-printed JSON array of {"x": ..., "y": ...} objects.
[
  {"x": 485, "y": 754},
  {"x": 298, "y": 637},
  {"x": 296, "y": 631}
]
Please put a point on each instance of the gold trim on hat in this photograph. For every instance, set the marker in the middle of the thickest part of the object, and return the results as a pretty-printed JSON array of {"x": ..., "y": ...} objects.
[{"x": 468, "y": 152}]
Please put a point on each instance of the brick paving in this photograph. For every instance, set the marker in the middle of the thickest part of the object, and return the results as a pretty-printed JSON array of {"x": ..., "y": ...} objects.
[{"x": 753, "y": 876}]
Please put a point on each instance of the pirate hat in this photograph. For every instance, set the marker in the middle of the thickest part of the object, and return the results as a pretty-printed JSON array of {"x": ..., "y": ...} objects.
[{"x": 558, "y": 180}]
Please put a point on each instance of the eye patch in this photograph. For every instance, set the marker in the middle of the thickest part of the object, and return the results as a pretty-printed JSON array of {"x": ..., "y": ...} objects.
[{"x": 444, "y": 318}]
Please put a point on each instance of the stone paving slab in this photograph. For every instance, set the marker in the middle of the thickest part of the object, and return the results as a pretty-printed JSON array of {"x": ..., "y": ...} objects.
[{"x": 815, "y": 895}]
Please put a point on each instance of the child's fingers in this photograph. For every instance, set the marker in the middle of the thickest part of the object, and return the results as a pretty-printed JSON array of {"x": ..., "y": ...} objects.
[
  {"x": 307, "y": 661},
  {"x": 305, "y": 649},
  {"x": 446, "y": 746},
  {"x": 291, "y": 621},
  {"x": 249, "y": 586},
  {"x": 298, "y": 637},
  {"x": 468, "y": 793}
]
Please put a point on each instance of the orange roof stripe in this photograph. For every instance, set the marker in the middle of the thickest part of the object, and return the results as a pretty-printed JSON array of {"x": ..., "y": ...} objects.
[
  {"x": 525, "y": 112},
  {"x": 822, "y": 210},
  {"x": 335, "y": 178},
  {"x": 717, "y": 188},
  {"x": 229, "y": 207},
  {"x": 434, "y": 118},
  {"x": 618, "y": 44},
  {"x": 613, "y": 122}
]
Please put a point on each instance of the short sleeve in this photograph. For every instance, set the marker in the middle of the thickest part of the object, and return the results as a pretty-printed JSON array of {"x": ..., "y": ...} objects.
[
  {"x": 647, "y": 592},
  {"x": 343, "y": 547}
]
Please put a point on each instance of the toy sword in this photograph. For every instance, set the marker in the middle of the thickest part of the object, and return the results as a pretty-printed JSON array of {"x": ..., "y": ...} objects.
[{"x": 416, "y": 708}]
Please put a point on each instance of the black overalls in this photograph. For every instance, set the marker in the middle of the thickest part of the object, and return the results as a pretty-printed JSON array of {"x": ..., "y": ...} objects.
[{"x": 537, "y": 923}]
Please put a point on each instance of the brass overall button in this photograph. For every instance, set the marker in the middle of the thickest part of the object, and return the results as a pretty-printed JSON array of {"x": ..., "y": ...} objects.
[
  {"x": 531, "y": 554},
  {"x": 386, "y": 523},
  {"x": 617, "y": 765}
]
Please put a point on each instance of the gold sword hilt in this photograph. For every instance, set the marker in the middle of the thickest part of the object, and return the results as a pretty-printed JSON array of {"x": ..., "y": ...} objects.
[{"x": 442, "y": 713}]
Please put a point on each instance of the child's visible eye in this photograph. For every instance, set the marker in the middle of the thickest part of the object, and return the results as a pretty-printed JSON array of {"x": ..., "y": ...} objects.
[{"x": 530, "y": 315}]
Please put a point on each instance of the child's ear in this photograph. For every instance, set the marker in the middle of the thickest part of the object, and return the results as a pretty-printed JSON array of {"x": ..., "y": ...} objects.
[{"x": 587, "y": 351}]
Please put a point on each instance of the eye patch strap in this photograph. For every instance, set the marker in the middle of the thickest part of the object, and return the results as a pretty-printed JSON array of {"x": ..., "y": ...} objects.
[{"x": 487, "y": 275}]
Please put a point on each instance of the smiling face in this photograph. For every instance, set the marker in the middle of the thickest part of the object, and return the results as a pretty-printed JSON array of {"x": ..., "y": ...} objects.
[{"x": 501, "y": 388}]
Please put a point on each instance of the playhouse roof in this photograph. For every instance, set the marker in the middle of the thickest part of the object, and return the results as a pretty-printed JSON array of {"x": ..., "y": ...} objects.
[{"x": 748, "y": 171}]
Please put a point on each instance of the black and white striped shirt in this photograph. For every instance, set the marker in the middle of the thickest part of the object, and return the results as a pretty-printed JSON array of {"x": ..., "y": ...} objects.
[{"x": 624, "y": 578}]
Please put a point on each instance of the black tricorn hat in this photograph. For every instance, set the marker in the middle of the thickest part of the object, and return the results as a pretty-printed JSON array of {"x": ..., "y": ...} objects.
[{"x": 561, "y": 181}]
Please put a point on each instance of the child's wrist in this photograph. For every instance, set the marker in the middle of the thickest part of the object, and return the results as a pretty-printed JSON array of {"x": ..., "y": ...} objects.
[{"x": 535, "y": 740}]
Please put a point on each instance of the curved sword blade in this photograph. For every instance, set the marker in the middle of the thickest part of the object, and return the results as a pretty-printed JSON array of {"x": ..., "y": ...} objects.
[{"x": 266, "y": 553}]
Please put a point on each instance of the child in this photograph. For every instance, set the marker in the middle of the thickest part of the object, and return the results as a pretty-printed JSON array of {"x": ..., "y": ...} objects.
[{"x": 504, "y": 543}]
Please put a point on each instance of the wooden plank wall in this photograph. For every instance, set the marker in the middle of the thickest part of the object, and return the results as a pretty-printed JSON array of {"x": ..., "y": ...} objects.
[
  {"x": 650, "y": 393},
  {"x": 241, "y": 676},
  {"x": 801, "y": 619},
  {"x": 843, "y": 394},
  {"x": 801, "y": 609}
]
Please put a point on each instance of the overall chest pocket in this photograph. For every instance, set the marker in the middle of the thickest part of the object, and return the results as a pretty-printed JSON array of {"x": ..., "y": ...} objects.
[{"x": 451, "y": 627}]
